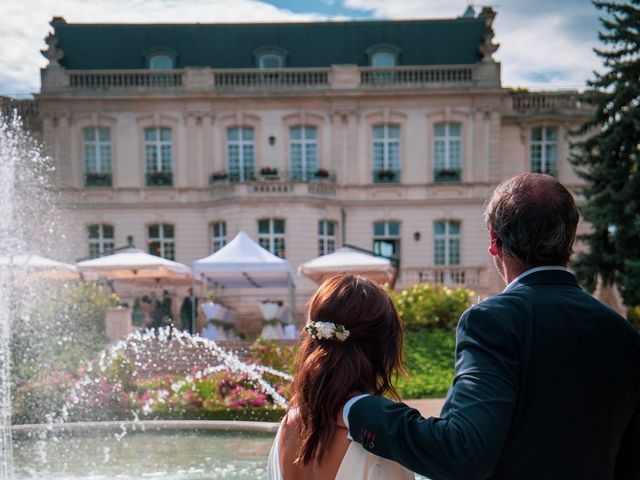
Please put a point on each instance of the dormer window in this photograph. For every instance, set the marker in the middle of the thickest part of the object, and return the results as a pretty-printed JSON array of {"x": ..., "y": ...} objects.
[
  {"x": 160, "y": 62},
  {"x": 270, "y": 60},
  {"x": 160, "y": 58},
  {"x": 383, "y": 59},
  {"x": 383, "y": 55},
  {"x": 270, "y": 57}
]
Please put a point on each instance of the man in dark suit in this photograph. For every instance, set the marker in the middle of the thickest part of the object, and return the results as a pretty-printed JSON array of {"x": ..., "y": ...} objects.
[{"x": 547, "y": 379}]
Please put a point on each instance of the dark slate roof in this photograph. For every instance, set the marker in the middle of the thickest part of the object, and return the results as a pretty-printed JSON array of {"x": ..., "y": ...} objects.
[{"x": 313, "y": 44}]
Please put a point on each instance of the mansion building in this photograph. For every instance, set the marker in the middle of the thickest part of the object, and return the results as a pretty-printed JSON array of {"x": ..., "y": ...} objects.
[{"x": 384, "y": 135}]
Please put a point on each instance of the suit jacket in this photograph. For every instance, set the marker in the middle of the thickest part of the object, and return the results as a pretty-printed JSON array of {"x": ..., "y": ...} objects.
[{"x": 546, "y": 386}]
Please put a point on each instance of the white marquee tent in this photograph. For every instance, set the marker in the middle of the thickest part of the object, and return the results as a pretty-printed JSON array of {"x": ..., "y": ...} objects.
[
  {"x": 348, "y": 260},
  {"x": 243, "y": 263}
]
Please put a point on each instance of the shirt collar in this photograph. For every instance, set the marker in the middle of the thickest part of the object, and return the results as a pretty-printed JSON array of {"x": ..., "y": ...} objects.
[{"x": 533, "y": 270}]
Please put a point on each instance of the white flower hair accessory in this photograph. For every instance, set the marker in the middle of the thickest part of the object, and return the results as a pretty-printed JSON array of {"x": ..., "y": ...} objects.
[{"x": 326, "y": 330}]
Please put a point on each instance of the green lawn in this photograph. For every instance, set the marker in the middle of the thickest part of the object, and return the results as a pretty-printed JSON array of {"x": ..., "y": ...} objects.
[{"x": 429, "y": 357}]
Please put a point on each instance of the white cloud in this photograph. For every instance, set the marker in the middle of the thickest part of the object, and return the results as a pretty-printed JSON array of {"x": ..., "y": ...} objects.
[
  {"x": 536, "y": 47},
  {"x": 540, "y": 54}
]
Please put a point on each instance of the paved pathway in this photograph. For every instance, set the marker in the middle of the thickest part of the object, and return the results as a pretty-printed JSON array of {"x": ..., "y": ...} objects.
[{"x": 428, "y": 407}]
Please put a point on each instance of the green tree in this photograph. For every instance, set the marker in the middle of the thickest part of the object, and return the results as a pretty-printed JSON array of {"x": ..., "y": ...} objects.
[{"x": 607, "y": 157}]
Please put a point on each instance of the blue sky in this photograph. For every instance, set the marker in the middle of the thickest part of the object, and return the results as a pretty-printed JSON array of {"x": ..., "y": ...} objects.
[{"x": 544, "y": 44}]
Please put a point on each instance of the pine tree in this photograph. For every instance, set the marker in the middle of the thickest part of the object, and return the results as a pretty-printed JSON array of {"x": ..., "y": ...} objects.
[{"x": 608, "y": 158}]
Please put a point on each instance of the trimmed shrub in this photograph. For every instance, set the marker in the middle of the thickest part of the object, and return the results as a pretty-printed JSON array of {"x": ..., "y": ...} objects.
[
  {"x": 429, "y": 358},
  {"x": 431, "y": 306}
]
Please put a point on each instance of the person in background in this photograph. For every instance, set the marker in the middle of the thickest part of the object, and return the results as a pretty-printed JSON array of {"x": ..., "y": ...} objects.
[{"x": 187, "y": 309}]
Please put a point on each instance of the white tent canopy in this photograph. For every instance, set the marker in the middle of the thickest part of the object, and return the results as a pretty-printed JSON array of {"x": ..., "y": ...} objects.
[
  {"x": 243, "y": 263},
  {"x": 41, "y": 266},
  {"x": 134, "y": 264},
  {"x": 348, "y": 260}
]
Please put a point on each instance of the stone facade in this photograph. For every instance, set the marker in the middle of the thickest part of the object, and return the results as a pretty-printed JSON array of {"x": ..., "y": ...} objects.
[{"x": 494, "y": 129}]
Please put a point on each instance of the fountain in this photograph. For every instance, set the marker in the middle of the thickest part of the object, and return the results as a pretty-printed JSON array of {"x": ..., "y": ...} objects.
[{"x": 43, "y": 322}]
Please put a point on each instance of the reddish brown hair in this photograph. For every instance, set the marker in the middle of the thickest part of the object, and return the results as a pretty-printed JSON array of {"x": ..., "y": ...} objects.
[{"x": 329, "y": 371}]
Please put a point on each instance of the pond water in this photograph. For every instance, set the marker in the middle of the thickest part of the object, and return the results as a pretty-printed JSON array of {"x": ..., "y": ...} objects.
[{"x": 130, "y": 455}]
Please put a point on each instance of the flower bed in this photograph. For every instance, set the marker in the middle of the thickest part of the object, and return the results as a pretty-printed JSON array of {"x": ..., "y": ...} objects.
[{"x": 116, "y": 393}]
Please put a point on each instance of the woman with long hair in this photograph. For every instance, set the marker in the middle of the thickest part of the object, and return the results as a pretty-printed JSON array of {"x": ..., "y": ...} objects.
[{"x": 352, "y": 344}]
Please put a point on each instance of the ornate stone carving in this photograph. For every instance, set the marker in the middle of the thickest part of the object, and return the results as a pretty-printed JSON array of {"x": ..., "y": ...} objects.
[
  {"x": 53, "y": 53},
  {"x": 487, "y": 47}
]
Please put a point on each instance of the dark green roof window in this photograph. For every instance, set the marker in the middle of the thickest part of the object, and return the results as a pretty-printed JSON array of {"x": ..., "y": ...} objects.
[
  {"x": 160, "y": 58},
  {"x": 383, "y": 55},
  {"x": 270, "y": 56}
]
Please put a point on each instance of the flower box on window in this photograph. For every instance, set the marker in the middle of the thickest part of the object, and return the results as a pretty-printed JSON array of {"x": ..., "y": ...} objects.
[
  {"x": 159, "y": 178},
  {"x": 98, "y": 179},
  {"x": 269, "y": 173},
  {"x": 386, "y": 175},
  {"x": 322, "y": 173},
  {"x": 218, "y": 177},
  {"x": 447, "y": 175}
]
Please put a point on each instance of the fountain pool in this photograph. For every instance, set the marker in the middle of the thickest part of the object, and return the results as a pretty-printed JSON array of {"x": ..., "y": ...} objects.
[{"x": 133, "y": 450}]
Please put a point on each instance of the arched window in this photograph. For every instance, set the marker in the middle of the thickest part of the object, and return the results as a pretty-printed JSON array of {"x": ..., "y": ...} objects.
[
  {"x": 383, "y": 59},
  {"x": 383, "y": 55},
  {"x": 160, "y": 62},
  {"x": 270, "y": 56},
  {"x": 270, "y": 60}
]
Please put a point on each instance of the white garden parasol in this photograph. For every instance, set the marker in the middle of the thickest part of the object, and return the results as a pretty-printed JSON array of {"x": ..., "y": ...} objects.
[
  {"x": 134, "y": 264},
  {"x": 40, "y": 267},
  {"x": 349, "y": 260}
]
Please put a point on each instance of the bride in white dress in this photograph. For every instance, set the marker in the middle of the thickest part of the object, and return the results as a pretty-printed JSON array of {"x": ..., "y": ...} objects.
[{"x": 352, "y": 344}]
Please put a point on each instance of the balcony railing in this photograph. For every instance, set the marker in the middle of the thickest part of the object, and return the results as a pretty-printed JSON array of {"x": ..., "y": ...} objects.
[
  {"x": 269, "y": 188},
  {"x": 159, "y": 179},
  {"x": 415, "y": 76},
  {"x": 125, "y": 79},
  {"x": 273, "y": 176},
  {"x": 442, "y": 175},
  {"x": 287, "y": 79},
  {"x": 472, "y": 277},
  {"x": 386, "y": 176},
  {"x": 570, "y": 100},
  {"x": 337, "y": 77},
  {"x": 97, "y": 179}
]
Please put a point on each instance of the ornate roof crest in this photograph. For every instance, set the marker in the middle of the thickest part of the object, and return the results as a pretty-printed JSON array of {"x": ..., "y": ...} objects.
[
  {"x": 487, "y": 47},
  {"x": 53, "y": 53}
]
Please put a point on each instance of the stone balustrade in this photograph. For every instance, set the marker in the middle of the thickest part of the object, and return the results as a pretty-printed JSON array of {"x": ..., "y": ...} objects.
[
  {"x": 541, "y": 101},
  {"x": 471, "y": 277},
  {"x": 204, "y": 79}
]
